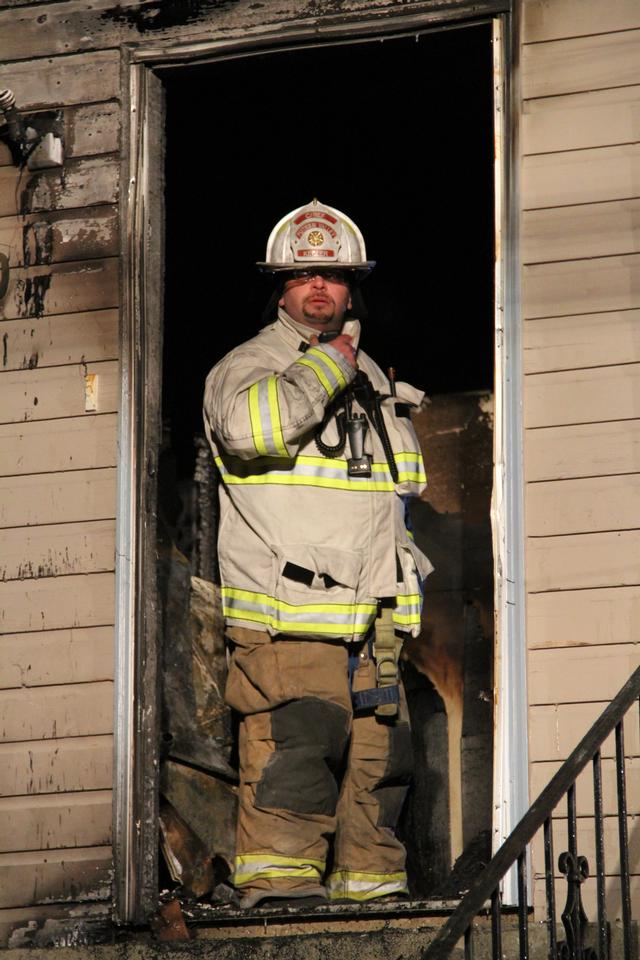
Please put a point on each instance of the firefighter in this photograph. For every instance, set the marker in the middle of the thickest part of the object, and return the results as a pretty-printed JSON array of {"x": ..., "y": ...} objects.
[{"x": 320, "y": 577}]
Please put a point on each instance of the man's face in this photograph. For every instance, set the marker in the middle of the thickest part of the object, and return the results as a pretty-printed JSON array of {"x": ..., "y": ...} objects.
[{"x": 318, "y": 299}]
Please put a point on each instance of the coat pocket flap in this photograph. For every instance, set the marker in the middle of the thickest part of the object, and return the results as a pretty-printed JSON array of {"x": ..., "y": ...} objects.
[
  {"x": 404, "y": 391},
  {"x": 319, "y": 567},
  {"x": 421, "y": 561}
]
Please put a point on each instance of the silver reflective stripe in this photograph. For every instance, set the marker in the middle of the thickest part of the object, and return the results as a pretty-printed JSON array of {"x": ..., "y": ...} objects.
[
  {"x": 335, "y": 619},
  {"x": 362, "y": 886},
  {"x": 266, "y": 425},
  {"x": 327, "y": 370},
  {"x": 265, "y": 416},
  {"x": 410, "y": 468},
  {"x": 250, "y": 867},
  {"x": 303, "y": 471}
]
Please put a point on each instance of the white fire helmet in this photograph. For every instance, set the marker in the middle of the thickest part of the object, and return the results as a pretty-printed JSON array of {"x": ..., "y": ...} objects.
[{"x": 316, "y": 236}]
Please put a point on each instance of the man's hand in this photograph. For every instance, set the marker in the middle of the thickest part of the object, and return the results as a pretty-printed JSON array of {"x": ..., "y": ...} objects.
[{"x": 343, "y": 343}]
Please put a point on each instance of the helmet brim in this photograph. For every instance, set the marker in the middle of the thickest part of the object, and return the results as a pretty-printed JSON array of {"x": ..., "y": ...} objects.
[{"x": 362, "y": 268}]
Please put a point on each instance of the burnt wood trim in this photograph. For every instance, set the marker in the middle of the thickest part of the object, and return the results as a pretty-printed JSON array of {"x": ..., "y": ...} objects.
[{"x": 137, "y": 694}]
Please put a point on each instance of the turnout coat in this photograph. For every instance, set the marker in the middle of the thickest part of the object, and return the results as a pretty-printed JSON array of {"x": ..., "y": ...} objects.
[{"x": 304, "y": 548}]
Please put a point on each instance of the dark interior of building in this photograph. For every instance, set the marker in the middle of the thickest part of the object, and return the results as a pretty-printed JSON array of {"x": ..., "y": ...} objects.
[{"x": 399, "y": 135}]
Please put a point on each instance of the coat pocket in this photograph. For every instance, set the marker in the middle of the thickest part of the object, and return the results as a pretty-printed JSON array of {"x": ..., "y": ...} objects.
[
  {"x": 407, "y": 454},
  {"x": 316, "y": 592},
  {"x": 415, "y": 567}
]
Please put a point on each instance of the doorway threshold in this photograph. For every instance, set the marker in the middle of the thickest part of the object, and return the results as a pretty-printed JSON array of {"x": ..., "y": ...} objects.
[{"x": 228, "y": 915}]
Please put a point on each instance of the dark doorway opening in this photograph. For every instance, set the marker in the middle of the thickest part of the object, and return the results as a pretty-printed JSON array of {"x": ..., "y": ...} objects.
[{"x": 397, "y": 133}]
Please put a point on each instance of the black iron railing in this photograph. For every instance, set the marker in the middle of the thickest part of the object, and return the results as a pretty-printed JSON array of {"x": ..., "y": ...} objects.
[{"x": 574, "y": 867}]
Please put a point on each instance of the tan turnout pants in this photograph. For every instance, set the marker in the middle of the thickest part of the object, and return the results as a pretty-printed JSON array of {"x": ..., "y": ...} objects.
[{"x": 310, "y": 770}]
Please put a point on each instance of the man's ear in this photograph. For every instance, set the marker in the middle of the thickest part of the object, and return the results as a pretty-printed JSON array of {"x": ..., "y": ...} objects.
[
  {"x": 349, "y": 304},
  {"x": 281, "y": 302}
]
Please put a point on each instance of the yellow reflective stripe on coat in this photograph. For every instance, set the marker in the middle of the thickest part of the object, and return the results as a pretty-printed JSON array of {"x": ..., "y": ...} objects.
[
  {"x": 264, "y": 414},
  {"x": 331, "y": 619},
  {"x": 312, "y": 471},
  {"x": 325, "y": 368},
  {"x": 258, "y": 866},
  {"x": 410, "y": 467},
  {"x": 365, "y": 886},
  {"x": 407, "y": 610}
]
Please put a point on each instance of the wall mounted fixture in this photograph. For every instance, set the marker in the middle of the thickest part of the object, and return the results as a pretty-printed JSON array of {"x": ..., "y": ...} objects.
[{"x": 33, "y": 141}]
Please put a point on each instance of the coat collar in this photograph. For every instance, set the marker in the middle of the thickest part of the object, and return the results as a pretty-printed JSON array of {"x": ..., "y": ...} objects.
[{"x": 295, "y": 333}]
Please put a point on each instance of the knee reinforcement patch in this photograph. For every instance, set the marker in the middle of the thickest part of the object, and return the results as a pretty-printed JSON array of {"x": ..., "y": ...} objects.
[{"x": 310, "y": 738}]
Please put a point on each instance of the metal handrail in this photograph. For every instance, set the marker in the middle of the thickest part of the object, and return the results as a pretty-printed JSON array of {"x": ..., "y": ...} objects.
[{"x": 513, "y": 851}]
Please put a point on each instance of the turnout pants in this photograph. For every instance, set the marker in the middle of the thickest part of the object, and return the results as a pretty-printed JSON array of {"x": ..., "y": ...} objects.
[{"x": 310, "y": 770}]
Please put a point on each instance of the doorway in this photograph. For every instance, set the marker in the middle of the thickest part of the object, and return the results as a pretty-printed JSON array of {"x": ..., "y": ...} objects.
[{"x": 398, "y": 133}]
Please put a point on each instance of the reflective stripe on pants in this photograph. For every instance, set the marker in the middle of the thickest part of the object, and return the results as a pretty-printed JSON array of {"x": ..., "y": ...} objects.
[{"x": 297, "y": 730}]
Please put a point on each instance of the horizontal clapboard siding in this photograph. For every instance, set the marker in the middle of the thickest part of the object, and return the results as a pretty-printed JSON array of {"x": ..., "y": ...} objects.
[
  {"x": 59, "y": 765},
  {"x": 58, "y": 340},
  {"x": 583, "y": 450},
  {"x": 569, "y": 675},
  {"x": 57, "y": 392},
  {"x": 51, "y": 876},
  {"x": 53, "y": 550},
  {"x": 52, "y": 446},
  {"x": 584, "y": 617},
  {"x": 592, "y": 395},
  {"x": 62, "y": 288},
  {"x": 542, "y": 772},
  {"x": 581, "y": 176},
  {"x": 574, "y": 18},
  {"x": 586, "y": 842},
  {"x": 60, "y": 236},
  {"x": 583, "y": 561},
  {"x": 80, "y": 183},
  {"x": 581, "y": 231},
  {"x": 588, "y": 505},
  {"x": 557, "y": 728},
  {"x": 77, "y": 79},
  {"x": 583, "y": 340},
  {"x": 65, "y": 710},
  {"x": 54, "y": 822},
  {"x": 599, "y": 118},
  {"x": 48, "y": 657},
  {"x": 579, "y": 64},
  {"x": 71, "y": 496},
  {"x": 57, "y": 603},
  {"x": 580, "y": 246},
  {"x": 595, "y": 285},
  {"x": 59, "y": 327}
]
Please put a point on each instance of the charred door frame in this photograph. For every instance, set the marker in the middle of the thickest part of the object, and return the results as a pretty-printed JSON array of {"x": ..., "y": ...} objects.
[{"x": 139, "y": 432}]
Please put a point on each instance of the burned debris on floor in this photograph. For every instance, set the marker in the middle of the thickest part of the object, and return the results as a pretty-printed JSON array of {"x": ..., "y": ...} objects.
[{"x": 197, "y": 777}]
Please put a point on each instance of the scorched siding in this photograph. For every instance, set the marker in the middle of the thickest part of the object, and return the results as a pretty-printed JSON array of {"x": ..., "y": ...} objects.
[{"x": 59, "y": 324}]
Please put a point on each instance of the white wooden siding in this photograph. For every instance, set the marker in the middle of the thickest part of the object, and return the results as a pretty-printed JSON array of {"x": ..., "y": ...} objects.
[
  {"x": 48, "y": 657},
  {"x": 57, "y": 494},
  {"x": 583, "y": 450},
  {"x": 65, "y": 765},
  {"x": 585, "y": 617},
  {"x": 51, "y": 446},
  {"x": 580, "y": 247},
  {"x": 60, "y": 236}
]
